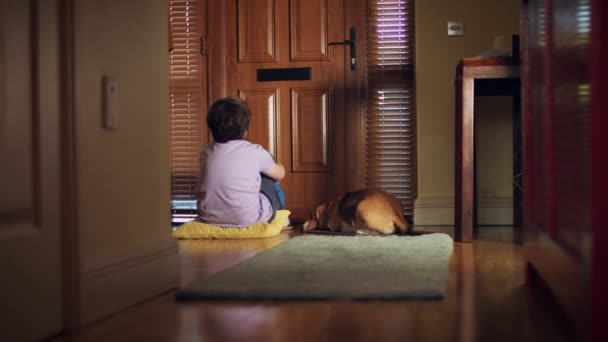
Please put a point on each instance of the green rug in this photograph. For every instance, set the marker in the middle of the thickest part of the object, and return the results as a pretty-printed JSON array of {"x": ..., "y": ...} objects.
[{"x": 335, "y": 267}]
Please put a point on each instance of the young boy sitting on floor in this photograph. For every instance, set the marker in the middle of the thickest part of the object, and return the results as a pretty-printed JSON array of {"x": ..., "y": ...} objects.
[{"x": 238, "y": 180}]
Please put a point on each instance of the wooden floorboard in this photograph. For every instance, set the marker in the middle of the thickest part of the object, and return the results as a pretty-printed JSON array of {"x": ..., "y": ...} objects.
[{"x": 486, "y": 301}]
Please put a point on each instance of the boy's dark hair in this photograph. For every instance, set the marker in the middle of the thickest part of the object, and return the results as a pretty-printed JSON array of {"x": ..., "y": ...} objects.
[{"x": 228, "y": 119}]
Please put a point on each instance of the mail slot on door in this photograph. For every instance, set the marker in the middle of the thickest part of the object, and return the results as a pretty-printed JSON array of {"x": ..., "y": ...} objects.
[{"x": 284, "y": 74}]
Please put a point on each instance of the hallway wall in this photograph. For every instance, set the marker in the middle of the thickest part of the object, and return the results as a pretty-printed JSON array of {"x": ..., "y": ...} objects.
[
  {"x": 437, "y": 55},
  {"x": 126, "y": 248}
]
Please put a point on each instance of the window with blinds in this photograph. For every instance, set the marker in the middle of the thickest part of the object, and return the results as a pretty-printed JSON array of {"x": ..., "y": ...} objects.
[
  {"x": 186, "y": 103},
  {"x": 390, "y": 123}
]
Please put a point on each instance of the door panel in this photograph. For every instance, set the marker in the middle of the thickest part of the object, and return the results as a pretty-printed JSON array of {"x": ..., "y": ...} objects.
[
  {"x": 29, "y": 162},
  {"x": 15, "y": 157},
  {"x": 263, "y": 125},
  {"x": 303, "y": 119},
  {"x": 308, "y": 30},
  {"x": 257, "y": 27},
  {"x": 311, "y": 130}
]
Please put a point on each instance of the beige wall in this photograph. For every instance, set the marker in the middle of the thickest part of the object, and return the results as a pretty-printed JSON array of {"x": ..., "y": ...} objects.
[
  {"x": 436, "y": 58},
  {"x": 124, "y": 189}
]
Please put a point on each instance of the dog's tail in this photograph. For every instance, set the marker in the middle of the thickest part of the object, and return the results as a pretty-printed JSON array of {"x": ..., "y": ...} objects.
[{"x": 401, "y": 225}]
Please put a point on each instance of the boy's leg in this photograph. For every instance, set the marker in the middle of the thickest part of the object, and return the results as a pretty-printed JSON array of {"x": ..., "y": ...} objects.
[
  {"x": 268, "y": 188},
  {"x": 280, "y": 193},
  {"x": 281, "y": 196}
]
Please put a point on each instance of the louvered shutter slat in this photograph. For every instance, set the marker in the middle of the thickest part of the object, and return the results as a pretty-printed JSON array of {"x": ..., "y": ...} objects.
[
  {"x": 185, "y": 98},
  {"x": 390, "y": 124}
]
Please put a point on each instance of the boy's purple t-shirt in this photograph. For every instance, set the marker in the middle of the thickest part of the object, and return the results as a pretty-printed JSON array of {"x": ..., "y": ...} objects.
[{"x": 229, "y": 184}]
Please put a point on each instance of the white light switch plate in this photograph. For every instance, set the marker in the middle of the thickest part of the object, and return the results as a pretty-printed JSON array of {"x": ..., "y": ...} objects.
[
  {"x": 455, "y": 28},
  {"x": 110, "y": 103}
]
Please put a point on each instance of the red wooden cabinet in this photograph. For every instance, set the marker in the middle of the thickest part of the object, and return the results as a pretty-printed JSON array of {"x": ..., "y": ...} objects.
[{"x": 565, "y": 148}]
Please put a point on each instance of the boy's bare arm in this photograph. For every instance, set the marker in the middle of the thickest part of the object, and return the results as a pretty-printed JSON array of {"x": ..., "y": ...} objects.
[{"x": 277, "y": 172}]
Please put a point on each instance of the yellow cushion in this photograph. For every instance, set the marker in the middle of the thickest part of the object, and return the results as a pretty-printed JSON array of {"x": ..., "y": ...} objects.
[
  {"x": 203, "y": 247},
  {"x": 199, "y": 230}
]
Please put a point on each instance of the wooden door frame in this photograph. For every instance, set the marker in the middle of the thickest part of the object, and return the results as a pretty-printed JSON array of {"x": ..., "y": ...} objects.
[
  {"x": 355, "y": 15},
  {"x": 216, "y": 36},
  {"x": 70, "y": 251},
  {"x": 599, "y": 231},
  {"x": 579, "y": 283}
]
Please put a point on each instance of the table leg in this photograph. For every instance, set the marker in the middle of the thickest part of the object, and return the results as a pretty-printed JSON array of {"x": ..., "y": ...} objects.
[{"x": 465, "y": 147}]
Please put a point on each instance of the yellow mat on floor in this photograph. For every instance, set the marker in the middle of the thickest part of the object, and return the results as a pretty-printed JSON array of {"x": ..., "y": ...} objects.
[{"x": 200, "y": 230}]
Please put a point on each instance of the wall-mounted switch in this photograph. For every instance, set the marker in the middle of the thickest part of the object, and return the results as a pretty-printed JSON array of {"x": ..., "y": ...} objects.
[
  {"x": 110, "y": 103},
  {"x": 455, "y": 28}
]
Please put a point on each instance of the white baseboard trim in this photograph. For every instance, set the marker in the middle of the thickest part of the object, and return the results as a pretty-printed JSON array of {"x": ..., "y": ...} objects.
[
  {"x": 434, "y": 211},
  {"x": 108, "y": 287},
  {"x": 495, "y": 211},
  {"x": 439, "y": 211}
]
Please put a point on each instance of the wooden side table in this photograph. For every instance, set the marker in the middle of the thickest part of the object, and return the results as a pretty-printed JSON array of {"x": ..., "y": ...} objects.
[{"x": 481, "y": 77}]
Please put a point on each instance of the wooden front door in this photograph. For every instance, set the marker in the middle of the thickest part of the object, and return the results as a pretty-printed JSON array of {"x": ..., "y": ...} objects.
[
  {"x": 301, "y": 122},
  {"x": 30, "y": 228}
]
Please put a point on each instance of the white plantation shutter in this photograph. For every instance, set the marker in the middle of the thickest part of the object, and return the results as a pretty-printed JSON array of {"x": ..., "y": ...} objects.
[
  {"x": 186, "y": 99},
  {"x": 391, "y": 126}
]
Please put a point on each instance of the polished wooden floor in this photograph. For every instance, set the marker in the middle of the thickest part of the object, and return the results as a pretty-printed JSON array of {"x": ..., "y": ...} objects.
[{"x": 487, "y": 300}]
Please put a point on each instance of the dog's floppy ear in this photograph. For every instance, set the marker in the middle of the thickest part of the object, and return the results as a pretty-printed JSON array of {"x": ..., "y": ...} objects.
[
  {"x": 334, "y": 221},
  {"x": 320, "y": 212},
  {"x": 321, "y": 215}
]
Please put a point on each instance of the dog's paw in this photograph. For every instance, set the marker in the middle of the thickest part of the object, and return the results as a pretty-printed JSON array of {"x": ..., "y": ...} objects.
[
  {"x": 310, "y": 224},
  {"x": 367, "y": 232}
]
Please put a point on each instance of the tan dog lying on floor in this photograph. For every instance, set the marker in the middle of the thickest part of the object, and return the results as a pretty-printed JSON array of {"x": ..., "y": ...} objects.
[{"x": 367, "y": 211}]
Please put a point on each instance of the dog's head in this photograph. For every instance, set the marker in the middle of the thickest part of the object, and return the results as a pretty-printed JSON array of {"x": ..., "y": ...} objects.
[{"x": 325, "y": 216}]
